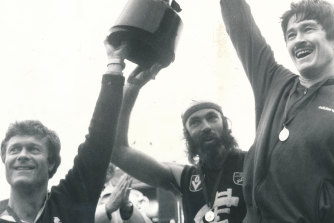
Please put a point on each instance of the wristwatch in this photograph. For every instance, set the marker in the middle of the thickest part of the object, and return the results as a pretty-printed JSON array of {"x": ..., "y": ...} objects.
[{"x": 126, "y": 210}]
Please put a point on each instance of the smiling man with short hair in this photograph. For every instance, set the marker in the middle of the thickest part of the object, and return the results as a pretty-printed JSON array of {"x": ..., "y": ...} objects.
[{"x": 30, "y": 152}]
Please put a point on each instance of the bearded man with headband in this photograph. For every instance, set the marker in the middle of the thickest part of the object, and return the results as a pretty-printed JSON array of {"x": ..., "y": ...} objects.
[{"x": 211, "y": 188}]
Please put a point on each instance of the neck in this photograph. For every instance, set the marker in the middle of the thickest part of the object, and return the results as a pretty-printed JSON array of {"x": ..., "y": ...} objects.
[
  {"x": 215, "y": 160},
  {"x": 308, "y": 79},
  {"x": 310, "y": 82},
  {"x": 26, "y": 204}
]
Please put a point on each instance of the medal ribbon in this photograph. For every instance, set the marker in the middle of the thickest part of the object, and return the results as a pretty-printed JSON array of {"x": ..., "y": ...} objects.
[
  {"x": 301, "y": 101},
  {"x": 210, "y": 198}
]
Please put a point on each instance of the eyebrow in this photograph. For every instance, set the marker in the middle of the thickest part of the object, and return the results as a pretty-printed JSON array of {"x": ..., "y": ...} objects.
[
  {"x": 205, "y": 115},
  {"x": 211, "y": 113},
  {"x": 25, "y": 144},
  {"x": 304, "y": 24}
]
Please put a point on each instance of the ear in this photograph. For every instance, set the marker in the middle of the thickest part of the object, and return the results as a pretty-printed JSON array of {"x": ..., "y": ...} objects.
[
  {"x": 3, "y": 157},
  {"x": 3, "y": 152},
  {"x": 51, "y": 166}
]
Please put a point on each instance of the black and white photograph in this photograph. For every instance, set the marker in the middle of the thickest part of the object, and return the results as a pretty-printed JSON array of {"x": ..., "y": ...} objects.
[{"x": 167, "y": 111}]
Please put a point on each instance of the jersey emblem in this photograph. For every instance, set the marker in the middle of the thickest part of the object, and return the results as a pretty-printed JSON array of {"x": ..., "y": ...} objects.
[
  {"x": 238, "y": 178},
  {"x": 195, "y": 183}
]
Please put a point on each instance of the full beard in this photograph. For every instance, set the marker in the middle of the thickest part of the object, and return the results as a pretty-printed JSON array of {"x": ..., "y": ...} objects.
[
  {"x": 213, "y": 151},
  {"x": 209, "y": 150}
]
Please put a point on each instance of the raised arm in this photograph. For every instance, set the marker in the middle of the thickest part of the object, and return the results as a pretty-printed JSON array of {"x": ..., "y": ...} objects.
[
  {"x": 84, "y": 182},
  {"x": 134, "y": 162},
  {"x": 253, "y": 51}
]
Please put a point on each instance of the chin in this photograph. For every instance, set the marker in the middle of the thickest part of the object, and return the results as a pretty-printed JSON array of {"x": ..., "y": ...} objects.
[
  {"x": 212, "y": 144},
  {"x": 210, "y": 148},
  {"x": 26, "y": 183},
  {"x": 307, "y": 69},
  {"x": 22, "y": 183}
]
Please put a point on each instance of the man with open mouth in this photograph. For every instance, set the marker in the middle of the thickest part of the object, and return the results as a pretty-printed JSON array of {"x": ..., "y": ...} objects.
[{"x": 289, "y": 168}]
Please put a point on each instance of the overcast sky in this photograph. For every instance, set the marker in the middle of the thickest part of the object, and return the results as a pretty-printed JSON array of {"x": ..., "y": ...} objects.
[{"x": 52, "y": 60}]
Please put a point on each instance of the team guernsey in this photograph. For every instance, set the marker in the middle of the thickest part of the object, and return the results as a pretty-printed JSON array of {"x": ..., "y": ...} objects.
[
  {"x": 75, "y": 198},
  {"x": 227, "y": 205},
  {"x": 289, "y": 169}
]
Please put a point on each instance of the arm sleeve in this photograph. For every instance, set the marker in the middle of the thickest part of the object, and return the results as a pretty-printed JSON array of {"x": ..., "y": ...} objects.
[
  {"x": 137, "y": 217},
  {"x": 101, "y": 215},
  {"x": 84, "y": 182},
  {"x": 252, "y": 49}
]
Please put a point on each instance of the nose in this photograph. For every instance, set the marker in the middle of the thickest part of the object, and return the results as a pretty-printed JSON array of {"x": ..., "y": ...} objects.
[
  {"x": 23, "y": 155},
  {"x": 206, "y": 127},
  {"x": 300, "y": 38}
]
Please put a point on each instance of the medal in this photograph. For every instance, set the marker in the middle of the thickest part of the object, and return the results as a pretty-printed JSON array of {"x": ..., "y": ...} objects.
[
  {"x": 209, "y": 216},
  {"x": 293, "y": 107},
  {"x": 210, "y": 197},
  {"x": 284, "y": 134}
]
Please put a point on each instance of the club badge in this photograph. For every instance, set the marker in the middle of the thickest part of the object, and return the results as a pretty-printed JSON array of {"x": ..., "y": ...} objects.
[
  {"x": 238, "y": 178},
  {"x": 195, "y": 183}
]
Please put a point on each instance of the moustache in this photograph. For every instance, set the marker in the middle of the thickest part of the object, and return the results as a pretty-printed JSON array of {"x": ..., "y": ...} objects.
[{"x": 207, "y": 136}]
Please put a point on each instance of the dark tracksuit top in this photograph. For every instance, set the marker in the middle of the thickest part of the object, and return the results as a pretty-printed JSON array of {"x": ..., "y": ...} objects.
[
  {"x": 75, "y": 198},
  {"x": 290, "y": 181}
]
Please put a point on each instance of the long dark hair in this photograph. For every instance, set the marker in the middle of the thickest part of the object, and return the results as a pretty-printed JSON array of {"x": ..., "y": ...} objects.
[{"x": 226, "y": 135}]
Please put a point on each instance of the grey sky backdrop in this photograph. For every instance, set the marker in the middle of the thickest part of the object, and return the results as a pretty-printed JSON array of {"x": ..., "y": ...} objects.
[{"x": 52, "y": 60}]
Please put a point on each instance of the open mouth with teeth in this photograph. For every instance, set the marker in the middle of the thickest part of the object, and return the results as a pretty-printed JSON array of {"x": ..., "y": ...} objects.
[{"x": 301, "y": 53}]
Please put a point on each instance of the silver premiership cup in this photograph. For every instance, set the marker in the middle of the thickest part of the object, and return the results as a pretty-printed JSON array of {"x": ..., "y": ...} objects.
[{"x": 152, "y": 28}]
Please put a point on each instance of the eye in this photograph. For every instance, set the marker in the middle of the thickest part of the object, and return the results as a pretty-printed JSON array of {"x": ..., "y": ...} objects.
[
  {"x": 212, "y": 118},
  {"x": 194, "y": 122},
  {"x": 34, "y": 149},
  {"x": 308, "y": 29},
  {"x": 290, "y": 35},
  {"x": 14, "y": 149}
]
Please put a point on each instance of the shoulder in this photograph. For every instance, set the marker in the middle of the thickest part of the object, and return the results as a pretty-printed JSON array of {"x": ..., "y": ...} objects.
[
  {"x": 4, "y": 216},
  {"x": 189, "y": 171},
  {"x": 235, "y": 160},
  {"x": 238, "y": 154},
  {"x": 3, "y": 206}
]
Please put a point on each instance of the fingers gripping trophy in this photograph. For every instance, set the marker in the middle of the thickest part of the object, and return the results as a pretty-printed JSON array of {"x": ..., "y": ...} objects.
[{"x": 150, "y": 29}]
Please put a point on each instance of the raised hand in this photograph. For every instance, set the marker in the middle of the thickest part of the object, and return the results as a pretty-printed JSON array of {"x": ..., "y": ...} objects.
[
  {"x": 116, "y": 51},
  {"x": 140, "y": 77},
  {"x": 119, "y": 195}
]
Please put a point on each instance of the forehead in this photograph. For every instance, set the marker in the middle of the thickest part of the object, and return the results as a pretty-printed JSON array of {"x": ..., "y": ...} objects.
[
  {"x": 203, "y": 112},
  {"x": 295, "y": 22},
  {"x": 27, "y": 140}
]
